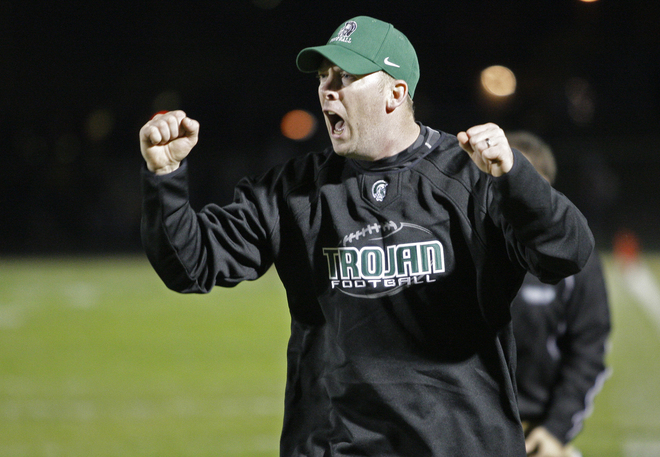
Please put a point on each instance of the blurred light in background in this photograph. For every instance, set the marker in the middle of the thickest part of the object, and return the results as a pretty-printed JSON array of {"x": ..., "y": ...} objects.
[
  {"x": 581, "y": 104},
  {"x": 498, "y": 81},
  {"x": 298, "y": 125},
  {"x": 99, "y": 124}
]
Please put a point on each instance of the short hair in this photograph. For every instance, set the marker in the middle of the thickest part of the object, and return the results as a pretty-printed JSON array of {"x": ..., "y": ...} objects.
[{"x": 537, "y": 151}]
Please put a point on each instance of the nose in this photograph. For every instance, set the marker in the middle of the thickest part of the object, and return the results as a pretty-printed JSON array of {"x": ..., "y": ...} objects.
[
  {"x": 329, "y": 87},
  {"x": 329, "y": 95}
]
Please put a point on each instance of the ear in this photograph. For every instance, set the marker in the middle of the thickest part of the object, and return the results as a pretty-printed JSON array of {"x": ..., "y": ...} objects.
[{"x": 398, "y": 95}]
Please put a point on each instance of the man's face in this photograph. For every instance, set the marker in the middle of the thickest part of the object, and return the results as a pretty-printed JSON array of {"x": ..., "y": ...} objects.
[{"x": 353, "y": 107}]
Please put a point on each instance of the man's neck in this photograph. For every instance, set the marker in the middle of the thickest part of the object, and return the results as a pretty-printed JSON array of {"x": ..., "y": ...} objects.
[{"x": 403, "y": 138}]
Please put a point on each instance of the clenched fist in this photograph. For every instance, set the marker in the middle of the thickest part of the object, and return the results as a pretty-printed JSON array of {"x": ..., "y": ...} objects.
[
  {"x": 167, "y": 139},
  {"x": 488, "y": 148}
]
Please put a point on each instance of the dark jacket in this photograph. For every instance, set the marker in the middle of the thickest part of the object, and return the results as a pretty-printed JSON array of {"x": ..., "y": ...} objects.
[
  {"x": 561, "y": 335},
  {"x": 401, "y": 341}
]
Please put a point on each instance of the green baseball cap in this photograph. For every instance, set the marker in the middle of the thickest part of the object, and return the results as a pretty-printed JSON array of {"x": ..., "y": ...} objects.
[{"x": 364, "y": 45}]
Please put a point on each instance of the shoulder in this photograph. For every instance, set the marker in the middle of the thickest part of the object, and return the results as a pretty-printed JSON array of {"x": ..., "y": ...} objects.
[
  {"x": 448, "y": 161},
  {"x": 309, "y": 170},
  {"x": 300, "y": 174}
]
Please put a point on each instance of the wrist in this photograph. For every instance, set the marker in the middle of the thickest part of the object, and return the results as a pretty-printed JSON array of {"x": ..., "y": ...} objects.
[{"x": 163, "y": 170}]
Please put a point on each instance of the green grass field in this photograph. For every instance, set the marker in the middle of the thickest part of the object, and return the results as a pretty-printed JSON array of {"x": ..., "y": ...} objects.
[{"x": 98, "y": 358}]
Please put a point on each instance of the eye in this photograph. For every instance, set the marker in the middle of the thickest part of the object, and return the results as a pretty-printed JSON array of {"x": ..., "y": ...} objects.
[{"x": 347, "y": 77}]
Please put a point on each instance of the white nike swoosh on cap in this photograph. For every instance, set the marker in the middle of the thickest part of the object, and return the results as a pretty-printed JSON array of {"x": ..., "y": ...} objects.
[{"x": 391, "y": 64}]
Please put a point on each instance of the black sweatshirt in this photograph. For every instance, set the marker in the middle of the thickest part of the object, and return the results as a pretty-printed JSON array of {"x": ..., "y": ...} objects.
[
  {"x": 399, "y": 276},
  {"x": 561, "y": 335}
]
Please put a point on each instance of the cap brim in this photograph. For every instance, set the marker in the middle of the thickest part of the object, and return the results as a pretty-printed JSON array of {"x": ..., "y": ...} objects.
[{"x": 309, "y": 60}]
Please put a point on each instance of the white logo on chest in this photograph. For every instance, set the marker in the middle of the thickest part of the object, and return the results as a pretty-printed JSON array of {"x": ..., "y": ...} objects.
[
  {"x": 370, "y": 263},
  {"x": 379, "y": 190}
]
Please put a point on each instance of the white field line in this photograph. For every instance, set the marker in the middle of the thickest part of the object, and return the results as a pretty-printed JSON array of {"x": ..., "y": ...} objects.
[
  {"x": 643, "y": 285},
  {"x": 637, "y": 448}
]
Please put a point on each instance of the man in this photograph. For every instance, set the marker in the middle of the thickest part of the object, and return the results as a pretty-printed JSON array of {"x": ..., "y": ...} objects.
[
  {"x": 400, "y": 254},
  {"x": 561, "y": 332}
]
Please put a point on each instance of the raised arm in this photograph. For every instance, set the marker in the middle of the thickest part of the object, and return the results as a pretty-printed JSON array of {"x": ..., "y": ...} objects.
[{"x": 545, "y": 232}]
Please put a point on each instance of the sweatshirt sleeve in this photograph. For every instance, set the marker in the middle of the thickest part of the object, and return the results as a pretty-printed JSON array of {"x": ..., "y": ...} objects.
[
  {"x": 546, "y": 234},
  {"x": 583, "y": 349},
  {"x": 194, "y": 251}
]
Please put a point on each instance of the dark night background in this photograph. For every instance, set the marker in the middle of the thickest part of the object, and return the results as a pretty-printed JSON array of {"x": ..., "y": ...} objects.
[{"x": 80, "y": 79}]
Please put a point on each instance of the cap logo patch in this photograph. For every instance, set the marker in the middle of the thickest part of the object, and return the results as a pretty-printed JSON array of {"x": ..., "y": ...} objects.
[
  {"x": 345, "y": 33},
  {"x": 379, "y": 190}
]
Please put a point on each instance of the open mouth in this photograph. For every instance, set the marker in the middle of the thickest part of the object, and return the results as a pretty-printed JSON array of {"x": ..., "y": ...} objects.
[{"x": 336, "y": 122}]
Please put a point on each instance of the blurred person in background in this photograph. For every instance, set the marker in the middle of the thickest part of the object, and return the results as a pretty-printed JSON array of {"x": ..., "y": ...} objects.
[{"x": 561, "y": 332}]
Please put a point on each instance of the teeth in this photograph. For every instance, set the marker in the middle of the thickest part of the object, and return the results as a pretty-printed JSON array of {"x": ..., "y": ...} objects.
[{"x": 338, "y": 126}]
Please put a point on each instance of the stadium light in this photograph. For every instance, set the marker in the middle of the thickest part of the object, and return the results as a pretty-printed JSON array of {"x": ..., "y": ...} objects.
[
  {"x": 498, "y": 80},
  {"x": 298, "y": 125}
]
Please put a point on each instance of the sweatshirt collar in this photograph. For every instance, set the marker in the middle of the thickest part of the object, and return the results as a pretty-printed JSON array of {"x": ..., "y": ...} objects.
[{"x": 425, "y": 143}]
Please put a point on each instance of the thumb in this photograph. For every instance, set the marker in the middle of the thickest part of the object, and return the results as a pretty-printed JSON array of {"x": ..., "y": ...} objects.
[
  {"x": 464, "y": 142},
  {"x": 190, "y": 128},
  {"x": 531, "y": 446}
]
